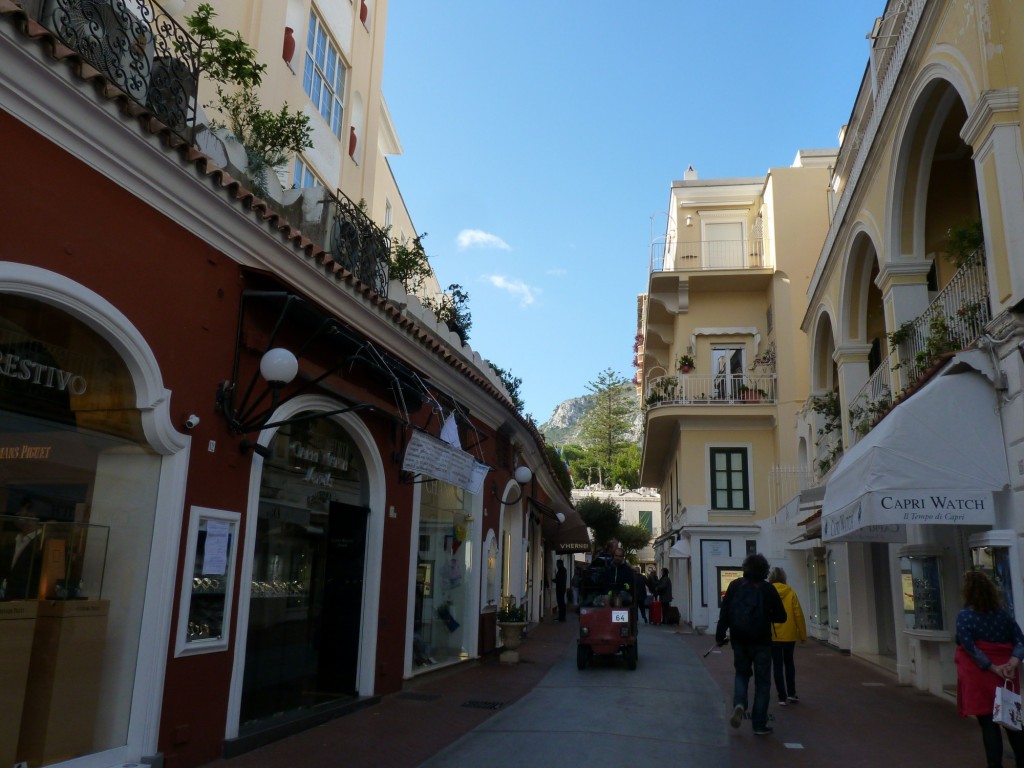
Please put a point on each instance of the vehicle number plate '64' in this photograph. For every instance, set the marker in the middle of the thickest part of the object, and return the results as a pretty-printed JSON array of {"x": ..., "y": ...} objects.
[{"x": 620, "y": 617}]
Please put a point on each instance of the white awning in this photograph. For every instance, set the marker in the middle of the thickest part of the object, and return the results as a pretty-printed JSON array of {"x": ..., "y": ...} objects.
[
  {"x": 680, "y": 549},
  {"x": 936, "y": 459}
]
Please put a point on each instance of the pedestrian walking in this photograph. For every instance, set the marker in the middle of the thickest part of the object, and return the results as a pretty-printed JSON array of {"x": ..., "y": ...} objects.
[
  {"x": 989, "y": 650},
  {"x": 561, "y": 583},
  {"x": 664, "y": 589},
  {"x": 749, "y": 608},
  {"x": 784, "y": 638},
  {"x": 641, "y": 594}
]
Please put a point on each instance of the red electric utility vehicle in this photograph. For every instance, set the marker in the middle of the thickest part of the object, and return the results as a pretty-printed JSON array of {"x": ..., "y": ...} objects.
[{"x": 607, "y": 627}]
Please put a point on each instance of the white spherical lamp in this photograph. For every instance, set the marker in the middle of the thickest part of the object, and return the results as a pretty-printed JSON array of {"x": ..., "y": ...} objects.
[
  {"x": 279, "y": 366},
  {"x": 523, "y": 475}
]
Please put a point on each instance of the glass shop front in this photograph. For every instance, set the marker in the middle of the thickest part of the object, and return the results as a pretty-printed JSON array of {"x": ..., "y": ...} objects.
[
  {"x": 444, "y": 618},
  {"x": 78, "y": 491},
  {"x": 306, "y": 596}
]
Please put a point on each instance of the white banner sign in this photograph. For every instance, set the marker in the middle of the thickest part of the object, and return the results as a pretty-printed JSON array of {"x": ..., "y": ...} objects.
[
  {"x": 883, "y": 515},
  {"x": 426, "y": 455}
]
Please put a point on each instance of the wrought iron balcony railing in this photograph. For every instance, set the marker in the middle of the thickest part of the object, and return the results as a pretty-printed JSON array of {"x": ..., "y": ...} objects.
[
  {"x": 953, "y": 321},
  {"x": 357, "y": 244},
  {"x": 709, "y": 255},
  {"x": 137, "y": 46},
  {"x": 710, "y": 390}
]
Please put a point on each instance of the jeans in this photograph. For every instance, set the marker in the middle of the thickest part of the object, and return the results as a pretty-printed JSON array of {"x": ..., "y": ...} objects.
[
  {"x": 784, "y": 669},
  {"x": 745, "y": 656}
]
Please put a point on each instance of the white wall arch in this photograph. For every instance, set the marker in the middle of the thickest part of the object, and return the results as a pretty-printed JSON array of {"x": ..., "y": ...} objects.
[
  {"x": 376, "y": 483},
  {"x": 153, "y": 401}
]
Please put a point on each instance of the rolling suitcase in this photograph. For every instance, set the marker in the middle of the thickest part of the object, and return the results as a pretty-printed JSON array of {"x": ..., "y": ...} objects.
[
  {"x": 655, "y": 610},
  {"x": 671, "y": 615}
]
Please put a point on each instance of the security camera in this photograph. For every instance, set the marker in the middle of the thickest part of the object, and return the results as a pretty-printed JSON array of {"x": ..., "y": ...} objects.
[{"x": 192, "y": 422}]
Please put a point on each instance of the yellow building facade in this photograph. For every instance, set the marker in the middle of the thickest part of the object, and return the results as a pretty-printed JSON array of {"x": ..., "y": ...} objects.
[
  {"x": 916, "y": 335},
  {"x": 724, "y": 366}
]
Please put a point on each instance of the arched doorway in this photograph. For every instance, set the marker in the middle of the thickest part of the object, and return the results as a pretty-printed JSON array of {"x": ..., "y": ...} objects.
[{"x": 308, "y": 565}]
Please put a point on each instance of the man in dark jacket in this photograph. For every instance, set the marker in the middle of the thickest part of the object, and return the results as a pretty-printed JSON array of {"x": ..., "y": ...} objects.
[
  {"x": 561, "y": 581},
  {"x": 750, "y": 607},
  {"x": 618, "y": 578}
]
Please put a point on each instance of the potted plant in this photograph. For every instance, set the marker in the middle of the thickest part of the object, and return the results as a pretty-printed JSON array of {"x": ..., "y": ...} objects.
[
  {"x": 686, "y": 364},
  {"x": 511, "y": 625}
]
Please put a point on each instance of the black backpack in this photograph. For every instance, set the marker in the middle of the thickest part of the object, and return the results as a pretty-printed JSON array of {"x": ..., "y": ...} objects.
[{"x": 747, "y": 618}]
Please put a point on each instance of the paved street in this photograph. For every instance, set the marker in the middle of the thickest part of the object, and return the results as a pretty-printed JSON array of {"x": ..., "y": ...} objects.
[{"x": 671, "y": 711}]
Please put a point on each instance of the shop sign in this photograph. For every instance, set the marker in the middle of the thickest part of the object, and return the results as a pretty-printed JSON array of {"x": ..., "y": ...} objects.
[
  {"x": 24, "y": 369},
  {"x": 25, "y": 452},
  {"x": 426, "y": 455}
]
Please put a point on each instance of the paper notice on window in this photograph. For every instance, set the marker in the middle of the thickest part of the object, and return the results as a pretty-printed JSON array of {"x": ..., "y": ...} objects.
[{"x": 215, "y": 553}]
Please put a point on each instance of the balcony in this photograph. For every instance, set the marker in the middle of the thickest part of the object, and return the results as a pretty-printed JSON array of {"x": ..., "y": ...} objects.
[
  {"x": 710, "y": 255},
  {"x": 707, "y": 390},
  {"x": 954, "y": 320},
  {"x": 137, "y": 46}
]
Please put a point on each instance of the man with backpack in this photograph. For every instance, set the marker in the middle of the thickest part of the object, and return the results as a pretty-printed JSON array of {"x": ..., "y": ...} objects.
[{"x": 749, "y": 608}]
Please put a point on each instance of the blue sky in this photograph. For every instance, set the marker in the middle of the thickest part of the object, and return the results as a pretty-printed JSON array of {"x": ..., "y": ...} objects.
[{"x": 541, "y": 139}]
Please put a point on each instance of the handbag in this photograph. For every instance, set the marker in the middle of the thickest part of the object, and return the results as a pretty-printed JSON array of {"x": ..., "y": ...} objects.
[{"x": 1006, "y": 710}]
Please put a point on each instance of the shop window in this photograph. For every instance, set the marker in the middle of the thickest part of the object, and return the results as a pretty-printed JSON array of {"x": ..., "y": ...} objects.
[
  {"x": 78, "y": 490},
  {"x": 729, "y": 483},
  {"x": 206, "y": 590},
  {"x": 995, "y": 563},
  {"x": 444, "y": 620},
  {"x": 306, "y": 592},
  {"x": 922, "y": 592}
]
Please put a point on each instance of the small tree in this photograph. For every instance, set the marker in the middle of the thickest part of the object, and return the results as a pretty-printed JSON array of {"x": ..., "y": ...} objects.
[
  {"x": 409, "y": 263},
  {"x": 633, "y": 538},
  {"x": 512, "y": 385},
  {"x": 602, "y": 516},
  {"x": 452, "y": 309},
  {"x": 269, "y": 137}
]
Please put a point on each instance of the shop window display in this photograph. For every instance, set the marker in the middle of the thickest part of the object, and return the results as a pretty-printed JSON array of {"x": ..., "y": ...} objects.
[
  {"x": 78, "y": 491},
  {"x": 306, "y": 594},
  {"x": 443, "y": 619},
  {"x": 995, "y": 563},
  {"x": 922, "y": 593}
]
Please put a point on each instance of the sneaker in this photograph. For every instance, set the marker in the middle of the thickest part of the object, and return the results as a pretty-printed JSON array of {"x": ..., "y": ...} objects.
[
  {"x": 794, "y": 699},
  {"x": 764, "y": 731},
  {"x": 783, "y": 702},
  {"x": 737, "y": 716}
]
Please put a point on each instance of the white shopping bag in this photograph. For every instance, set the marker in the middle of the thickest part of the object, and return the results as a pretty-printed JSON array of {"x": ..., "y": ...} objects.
[{"x": 1006, "y": 708}]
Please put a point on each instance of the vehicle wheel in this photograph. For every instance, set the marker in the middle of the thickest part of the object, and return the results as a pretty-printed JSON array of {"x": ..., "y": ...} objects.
[
  {"x": 583, "y": 654},
  {"x": 630, "y": 653}
]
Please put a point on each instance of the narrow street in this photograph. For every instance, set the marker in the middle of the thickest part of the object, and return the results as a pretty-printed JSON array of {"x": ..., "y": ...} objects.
[{"x": 671, "y": 711}]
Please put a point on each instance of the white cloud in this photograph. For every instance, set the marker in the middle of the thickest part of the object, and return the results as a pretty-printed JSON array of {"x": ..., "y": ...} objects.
[
  {"x": 556, "y": 271},
  {"x": 469, "y": 238},
  {"x": 518, "y": 288}
]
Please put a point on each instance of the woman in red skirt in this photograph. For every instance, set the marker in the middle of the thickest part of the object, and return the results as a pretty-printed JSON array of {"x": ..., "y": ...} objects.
[{"x": 989, "y": 650}]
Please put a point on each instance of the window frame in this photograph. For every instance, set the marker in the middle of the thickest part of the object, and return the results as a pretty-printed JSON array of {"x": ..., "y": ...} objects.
[
  {"x": 713, "y": 489},
  {"x": 325, "y": 74}
]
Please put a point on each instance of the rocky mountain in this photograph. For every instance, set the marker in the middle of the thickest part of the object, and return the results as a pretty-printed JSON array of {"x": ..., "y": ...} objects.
[{"x": 564, "y": 424}]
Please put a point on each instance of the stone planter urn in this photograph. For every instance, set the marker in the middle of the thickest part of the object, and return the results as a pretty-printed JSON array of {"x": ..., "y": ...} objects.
[{"x": 511, "y": 638}]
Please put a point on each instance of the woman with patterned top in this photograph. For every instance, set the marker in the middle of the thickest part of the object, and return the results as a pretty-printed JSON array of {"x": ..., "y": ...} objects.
[{"x": 989, "y": 650}]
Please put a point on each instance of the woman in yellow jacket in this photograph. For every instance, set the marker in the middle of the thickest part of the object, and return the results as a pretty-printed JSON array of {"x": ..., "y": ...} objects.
[{"x": 784, "y": 637}]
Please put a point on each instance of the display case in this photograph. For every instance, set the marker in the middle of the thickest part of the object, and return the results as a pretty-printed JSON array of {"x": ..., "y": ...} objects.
[
  {"x": 206, "y": 591},
  {"x": 921, "y": 581},
  {"x": 51, "y": 560}
]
